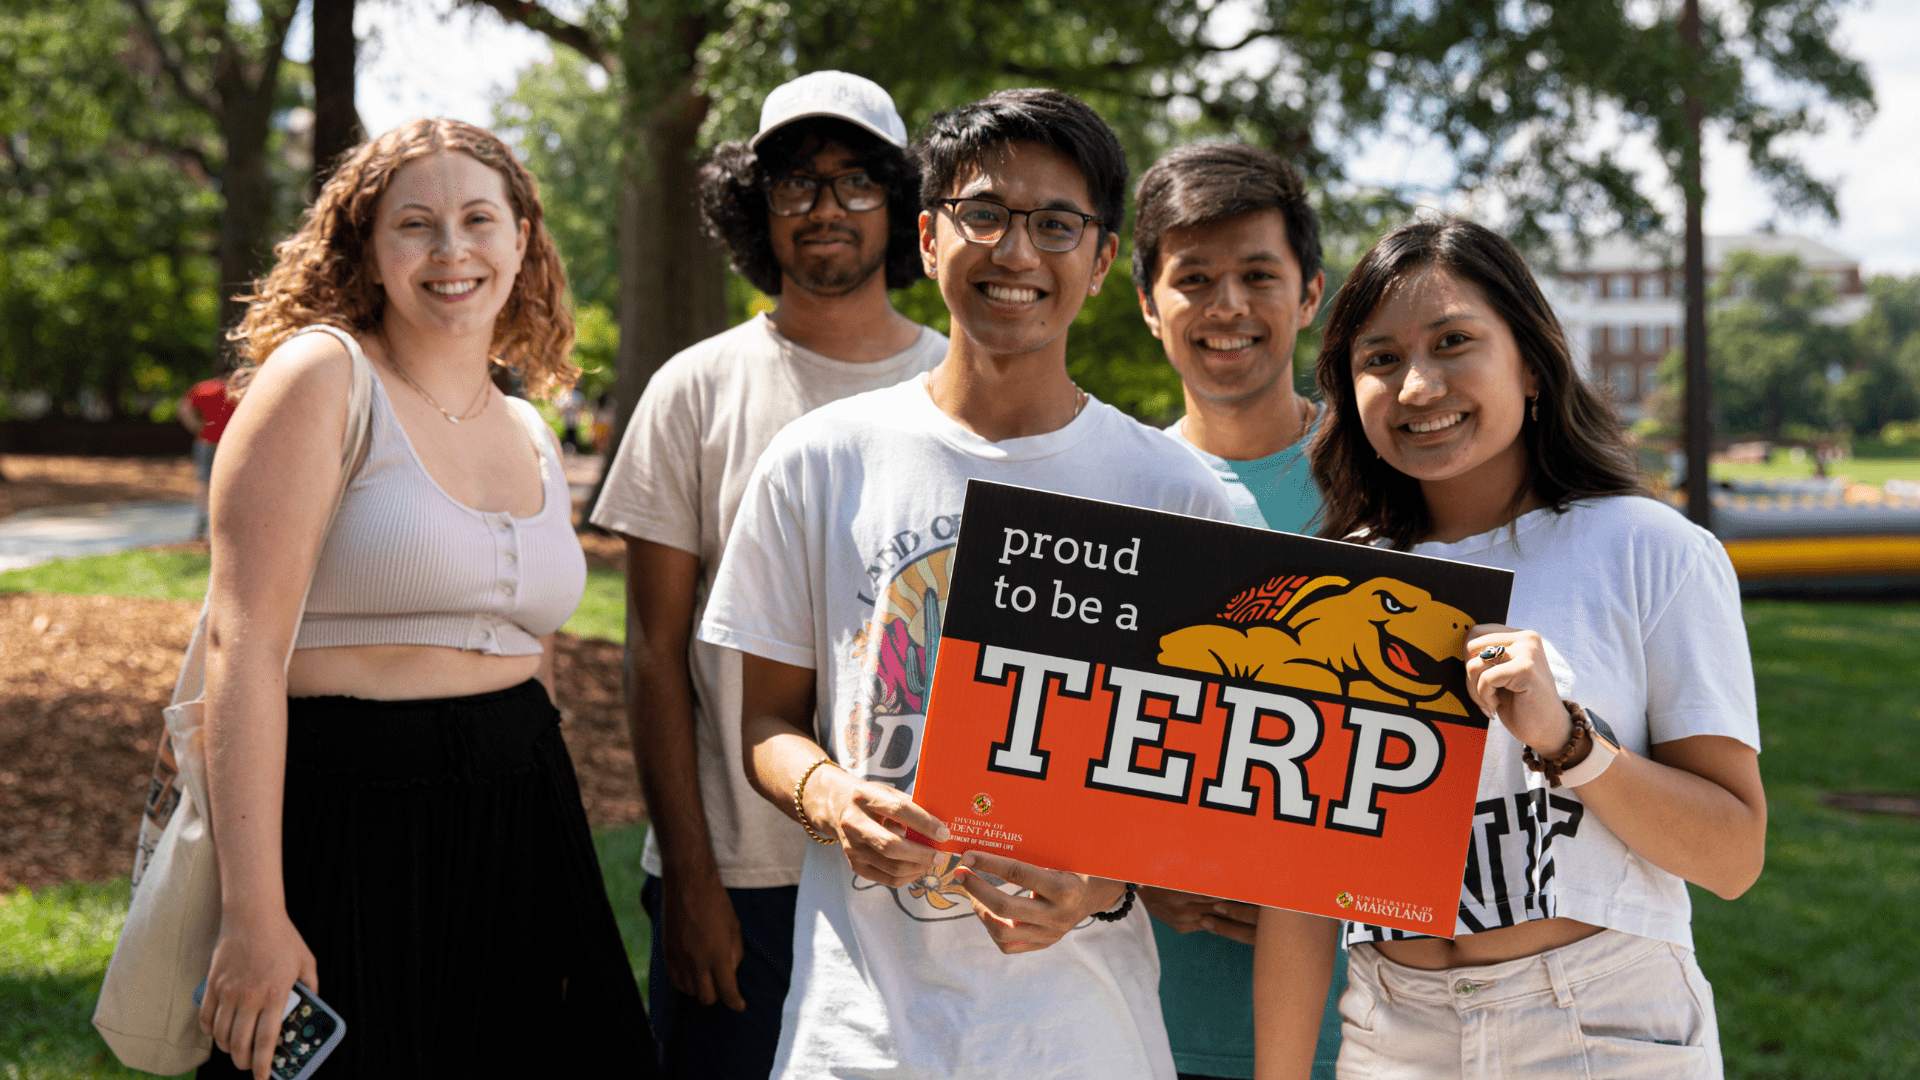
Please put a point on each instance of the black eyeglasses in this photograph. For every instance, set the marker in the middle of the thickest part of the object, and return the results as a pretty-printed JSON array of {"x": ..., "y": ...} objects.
[
  {"x": 792, "y": 196},
  {"x": 984, "y": 221}
]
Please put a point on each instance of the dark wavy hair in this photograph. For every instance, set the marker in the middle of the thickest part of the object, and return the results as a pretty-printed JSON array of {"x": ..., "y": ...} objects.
[
  {"x": 1575, "y": 450},
  {"x": 961, "y": 137},
  {"x": 733, "y": 196},
  {"x": 1205, "y": 183}
]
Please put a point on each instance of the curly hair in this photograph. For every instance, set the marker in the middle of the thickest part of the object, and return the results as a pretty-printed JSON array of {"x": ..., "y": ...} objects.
[
  {"x": 1575, "y": 448},
  {"x": 324, "y": 272},
  {"x": 733, "y": 196}
]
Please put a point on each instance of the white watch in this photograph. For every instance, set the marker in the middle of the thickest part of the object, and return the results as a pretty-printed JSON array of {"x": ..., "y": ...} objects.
[{"x": 1598, "y": 759}]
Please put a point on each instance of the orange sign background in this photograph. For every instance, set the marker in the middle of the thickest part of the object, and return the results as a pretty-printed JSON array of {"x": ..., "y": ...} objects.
[{"x": 1408, "y": 876}]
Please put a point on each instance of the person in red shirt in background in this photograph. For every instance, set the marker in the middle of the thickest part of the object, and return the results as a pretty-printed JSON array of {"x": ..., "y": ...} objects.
[{"x": 204, "y": 410}]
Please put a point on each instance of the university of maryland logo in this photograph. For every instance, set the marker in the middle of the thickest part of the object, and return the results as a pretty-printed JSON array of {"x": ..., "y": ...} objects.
[{"x": 1379, "y": 640}]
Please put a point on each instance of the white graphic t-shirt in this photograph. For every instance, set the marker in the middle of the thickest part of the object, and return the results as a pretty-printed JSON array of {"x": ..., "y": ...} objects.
[
  {"x": 1640, "y": 613},
  {"x": 691, "y": 444},
  {"x": 838, "y": 562}
]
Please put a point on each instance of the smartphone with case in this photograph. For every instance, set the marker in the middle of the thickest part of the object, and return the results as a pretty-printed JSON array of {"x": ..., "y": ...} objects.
[{"x": 309, "y": 1030}]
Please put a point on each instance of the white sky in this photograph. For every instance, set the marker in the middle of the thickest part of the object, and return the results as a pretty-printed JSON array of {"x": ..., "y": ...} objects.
[{"x": 422, "y": 58}]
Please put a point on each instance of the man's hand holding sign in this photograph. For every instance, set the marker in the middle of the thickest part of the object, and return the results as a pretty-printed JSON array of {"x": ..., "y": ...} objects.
[
  {"x": 885, "y": 834},
  {"x": 1206, "y": 708}
]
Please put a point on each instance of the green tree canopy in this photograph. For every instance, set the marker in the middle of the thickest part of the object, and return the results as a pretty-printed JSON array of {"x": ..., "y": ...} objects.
[
  {"x": 106, "y": 216},
  {"x": 1532, "y": 99},
  {"x": 1770, "y": 346},
  {"x": 558, "y": 119},
  {"x": 1884, "y": 385}
]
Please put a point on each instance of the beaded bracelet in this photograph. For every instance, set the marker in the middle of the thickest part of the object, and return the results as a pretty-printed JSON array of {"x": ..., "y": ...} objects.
[
  {"x": 1120, "y": 912},
  {"x": 1552, "y": 767},
  {"x": 800, "y": 811}
]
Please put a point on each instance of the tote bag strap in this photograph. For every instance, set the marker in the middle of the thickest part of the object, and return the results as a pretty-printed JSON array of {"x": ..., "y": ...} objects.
[
  {"x": 359, "y": 410},
  {"x": 359, "y": 430},
  {"x": 192, "y": 683}
]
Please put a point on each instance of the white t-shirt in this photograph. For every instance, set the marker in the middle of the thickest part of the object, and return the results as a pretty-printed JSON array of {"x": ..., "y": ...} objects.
[
  {"x": 1641, "y": 616},
  {"x": 689, "y": 448},
  {"x": 839, "y": 564}
]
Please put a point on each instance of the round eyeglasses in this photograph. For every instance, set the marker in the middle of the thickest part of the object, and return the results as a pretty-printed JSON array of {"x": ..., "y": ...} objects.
[
  {"x": 984, "y": 221},
  {"x": 792, "y": 196}
]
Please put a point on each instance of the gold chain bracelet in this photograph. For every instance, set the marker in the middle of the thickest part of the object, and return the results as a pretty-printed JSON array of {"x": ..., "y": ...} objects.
[{"x": 800, "y": 811}]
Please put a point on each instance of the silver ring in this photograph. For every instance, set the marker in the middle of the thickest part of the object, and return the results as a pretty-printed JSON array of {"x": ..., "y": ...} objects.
[{"x": 1493, "y": 652}]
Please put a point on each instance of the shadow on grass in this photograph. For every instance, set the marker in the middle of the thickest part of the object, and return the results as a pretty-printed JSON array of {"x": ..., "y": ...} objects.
[
  {"x": 55, "y": 944},
  {"x": 48, "y": 1032},
  {"x": 54, "y": 948}
]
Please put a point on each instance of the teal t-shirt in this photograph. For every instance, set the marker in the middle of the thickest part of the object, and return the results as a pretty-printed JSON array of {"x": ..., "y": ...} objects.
[
  {"x": 1206, "y": 981},
  {"x": 1279, "y": 487}
]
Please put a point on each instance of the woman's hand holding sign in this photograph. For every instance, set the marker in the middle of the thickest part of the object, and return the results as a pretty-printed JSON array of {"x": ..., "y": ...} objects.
[
  {"x": 1509, "y": 678},
  {"x": 1057, "y": 901}
]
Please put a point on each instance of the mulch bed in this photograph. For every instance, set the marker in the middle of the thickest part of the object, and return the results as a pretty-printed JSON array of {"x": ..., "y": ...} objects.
[
  {"x": 35, "y": 481},
  {"x": 83, "y": 680},
  {"x": 82, "y": 683}
]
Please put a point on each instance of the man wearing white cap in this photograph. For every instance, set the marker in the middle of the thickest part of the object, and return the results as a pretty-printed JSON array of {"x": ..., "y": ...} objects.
[{"x": 819, "y": 211}]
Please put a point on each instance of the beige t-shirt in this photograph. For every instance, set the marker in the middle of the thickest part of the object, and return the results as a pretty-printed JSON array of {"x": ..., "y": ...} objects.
[{"x": 677, "y": 480}]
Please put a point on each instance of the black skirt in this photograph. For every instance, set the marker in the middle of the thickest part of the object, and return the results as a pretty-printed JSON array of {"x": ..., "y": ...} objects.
[{"x": 438, "y": 863}]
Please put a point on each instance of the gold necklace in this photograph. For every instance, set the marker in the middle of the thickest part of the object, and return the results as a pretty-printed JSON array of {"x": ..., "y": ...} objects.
[{"x": 468, "y": 413}]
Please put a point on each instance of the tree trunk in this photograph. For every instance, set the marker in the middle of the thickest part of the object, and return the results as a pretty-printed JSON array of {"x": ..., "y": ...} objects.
[
  {"x": 246, "y": 221},
  {"x": 114, "y": 385},
  {"x": 336, "y": 122},
  {"x": 248, "y": 215},
  {"x": 1698, "y": 423},
  {"x": 672, "y": 278}
]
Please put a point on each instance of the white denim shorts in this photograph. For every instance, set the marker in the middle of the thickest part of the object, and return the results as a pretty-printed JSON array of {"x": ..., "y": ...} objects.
[{"x": 1609, "y": 1007}]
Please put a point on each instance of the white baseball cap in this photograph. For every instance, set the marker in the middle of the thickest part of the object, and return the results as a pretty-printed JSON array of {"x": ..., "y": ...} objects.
[{"x": 837, "y": 94}]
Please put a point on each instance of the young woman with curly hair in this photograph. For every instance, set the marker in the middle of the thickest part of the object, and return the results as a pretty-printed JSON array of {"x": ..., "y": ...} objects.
[
  {"x": 1623, "y": 762},
  {"x": 397, "y": 822}
]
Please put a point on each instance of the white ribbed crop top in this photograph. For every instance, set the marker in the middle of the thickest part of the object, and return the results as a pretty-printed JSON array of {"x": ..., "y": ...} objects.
[{"x": 407, "y": 564}]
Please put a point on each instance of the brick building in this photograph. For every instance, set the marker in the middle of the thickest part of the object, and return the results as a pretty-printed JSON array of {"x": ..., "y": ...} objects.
[{"x": 1624, "y": 304}]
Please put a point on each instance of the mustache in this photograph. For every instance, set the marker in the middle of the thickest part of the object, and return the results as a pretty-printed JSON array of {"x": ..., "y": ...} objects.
[{"x": 819, "y": 232}]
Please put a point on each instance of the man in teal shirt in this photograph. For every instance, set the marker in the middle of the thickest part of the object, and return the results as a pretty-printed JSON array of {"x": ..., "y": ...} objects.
[{"x": 1226, "y": 258}]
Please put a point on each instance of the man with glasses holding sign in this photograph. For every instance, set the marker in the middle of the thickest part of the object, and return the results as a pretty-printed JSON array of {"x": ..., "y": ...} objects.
[
  {"x": 832, "y": 587},
  {"x": 818, "y": 210}
]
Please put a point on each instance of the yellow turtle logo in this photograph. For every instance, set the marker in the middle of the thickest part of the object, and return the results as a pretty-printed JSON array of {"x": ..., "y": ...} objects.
[{"x": 1381, "y": 640}]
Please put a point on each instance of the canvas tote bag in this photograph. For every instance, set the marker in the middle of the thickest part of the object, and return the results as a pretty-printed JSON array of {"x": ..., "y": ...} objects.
[{"x": 146, "y": 1011}]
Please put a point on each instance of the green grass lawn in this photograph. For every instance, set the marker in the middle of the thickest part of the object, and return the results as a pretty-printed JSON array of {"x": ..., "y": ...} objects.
[
  {"x": 182, "y": 575},
  {"x": 163, "y": 575},
  {"x": 1875, "y": 471},
  {"x": 55, "y": 944},
  {"x": 1817, "y": 969}
]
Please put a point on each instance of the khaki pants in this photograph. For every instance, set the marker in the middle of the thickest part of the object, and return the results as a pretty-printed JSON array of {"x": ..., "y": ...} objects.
[{"x": 1610, "y": 1007}]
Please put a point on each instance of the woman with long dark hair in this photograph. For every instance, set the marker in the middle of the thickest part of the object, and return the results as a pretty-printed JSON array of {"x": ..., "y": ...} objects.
[
  {"x": 1624, "y": 762},
  {"x": 398, "y": 825}
]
